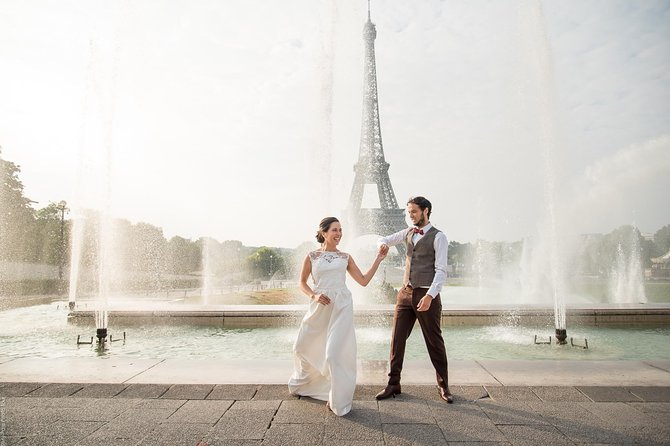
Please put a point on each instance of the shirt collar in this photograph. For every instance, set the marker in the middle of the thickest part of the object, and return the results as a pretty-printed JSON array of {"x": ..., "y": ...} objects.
[{"x": 425, "y": 228}]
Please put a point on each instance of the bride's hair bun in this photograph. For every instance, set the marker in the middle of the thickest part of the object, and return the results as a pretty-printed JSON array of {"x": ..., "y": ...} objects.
[{"x": 324, "y": 226}]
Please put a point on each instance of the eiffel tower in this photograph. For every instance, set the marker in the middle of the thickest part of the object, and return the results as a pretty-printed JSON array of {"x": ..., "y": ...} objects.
[{"x": 371, "y": 167}]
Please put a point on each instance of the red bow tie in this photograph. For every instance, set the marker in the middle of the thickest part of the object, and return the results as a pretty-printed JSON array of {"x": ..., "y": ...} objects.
[{"x": 418, "y": 231}]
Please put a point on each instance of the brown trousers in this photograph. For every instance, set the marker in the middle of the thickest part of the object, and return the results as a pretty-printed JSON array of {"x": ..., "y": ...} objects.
[{"x": 404, "y": 319}]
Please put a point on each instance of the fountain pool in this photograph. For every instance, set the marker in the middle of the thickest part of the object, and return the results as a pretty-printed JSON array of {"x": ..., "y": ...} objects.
[{"x": 44, "y": 331}]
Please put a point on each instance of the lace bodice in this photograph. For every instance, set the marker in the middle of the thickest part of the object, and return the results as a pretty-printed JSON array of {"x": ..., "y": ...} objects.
[{"x": 329, "y": 269}]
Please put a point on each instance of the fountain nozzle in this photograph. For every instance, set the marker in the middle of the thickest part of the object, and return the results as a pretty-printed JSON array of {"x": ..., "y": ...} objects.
[
  {"x": 561, "y": 336},
  {"x": 101, "y": 334}
]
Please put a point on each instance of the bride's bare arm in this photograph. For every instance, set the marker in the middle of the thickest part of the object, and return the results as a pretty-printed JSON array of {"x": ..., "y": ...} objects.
[
  {"x": 305, "y": 288},
  {"x": 364, "y": 279}
]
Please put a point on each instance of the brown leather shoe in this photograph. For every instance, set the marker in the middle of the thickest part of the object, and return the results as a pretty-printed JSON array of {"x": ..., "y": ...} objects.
[
  {"x": 389, "y": 391},
  {"x": 446, "y": 395}
]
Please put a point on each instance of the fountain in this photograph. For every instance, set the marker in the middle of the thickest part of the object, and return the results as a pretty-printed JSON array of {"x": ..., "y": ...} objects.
[
  {"x": 102, "y": 278},
  {"x": 626, "y": 276}
]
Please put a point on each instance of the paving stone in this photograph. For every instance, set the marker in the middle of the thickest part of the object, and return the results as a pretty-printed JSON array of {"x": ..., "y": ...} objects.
[
  {"x": 11, "y": 440},
  {"x": 560, "y": 411},
  {"x": 200, "y": 411},
  {"x": 608, "y": 394},
  {"x": 146, "y": 415},
  {"x": 294, "y": 434},
  {"x": 26, "y": 426},
  {"x": 592, "y": 432},
  {"x": 468, "y": 423},
  {"x": 538, "y": 434},
  {"x": 559, "y": 415},
  {"x": 17, "y": 389},
  {"x": 478, "y": 443},
  {"x": 468, "y": 393},
  {"x": 617, "y": 414},
  {"x": 656, "y": 409},
  {"x": 431, "y": 392},
  {"x": 363, "y": 423},
  {"x": 40, "y": 404},
  {"x": 216, "y": 441},
  {"x": 63, "y": 433},
  {"x": 511, "y": 412},
  {"x": 32, "y": 402},
  {"x": 100, "y": 412},
  {"x": 177, "y": 434},
  {"x": 100, "y": 390},
  {"x": 654, "y": 394},
  {"x": 93, "y": 440},
  {"x": 337, "y": 442},
  {"x": 143, "y": 391},
  {"x": 648, "y": 435},
  {"x": 412, "y": 434},
  {"x": 366, "y": 392},
  {"x": 159, "y": 403},
  {"x": 256, "y": 405},
  {"x": 425, "y": 392},
  {"x": 405, "y": 411},
  {"x": 302, "y": 411},
  {"x": 233, "y": 392},
  {"x": 118, "y": 430},
  {"x": 56, "y": 390},
  {"x": 277, "y": 392},
  {"x": 581, "y": 425},
  {"x": 559, "y": 393},
  {"x": 511, "y": 393},
  {"x": 188, "y": 391},
  {"x": 242, "y": 424}
]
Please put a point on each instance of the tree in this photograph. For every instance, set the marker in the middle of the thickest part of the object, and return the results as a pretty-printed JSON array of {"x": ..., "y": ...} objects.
[
  {"x": 264, "y": 262},
  {"x": 183, "y": 255},
  {"x": 662, "y": 241},
  {"x": 51, "y": 234},
  {"x": 625, "y": 238},
  {"x": 16, "y": 214}
]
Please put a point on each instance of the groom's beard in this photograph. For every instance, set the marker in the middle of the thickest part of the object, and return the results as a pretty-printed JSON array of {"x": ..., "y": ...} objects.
[{"x": 421, "y": 223}]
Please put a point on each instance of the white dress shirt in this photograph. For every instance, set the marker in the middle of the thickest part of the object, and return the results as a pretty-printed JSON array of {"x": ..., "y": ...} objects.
[{"x": 441, "y": 246}]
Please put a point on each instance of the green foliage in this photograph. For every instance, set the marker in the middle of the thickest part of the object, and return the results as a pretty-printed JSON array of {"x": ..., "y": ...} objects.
[
  {"x": 599, "y": 254},
  {"x": 16, "y": 215},
  {"x": 265, "y": 262},
  {"x": 144, "y": 259},
  {"x": 182, "y": 256},
  {"x": 661, "y": 241}
]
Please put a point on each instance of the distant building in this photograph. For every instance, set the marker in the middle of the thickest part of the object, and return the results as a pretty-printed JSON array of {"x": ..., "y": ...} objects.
[
  {"x": 647, "y": 236},
  {"x": 660, "y": 267}
]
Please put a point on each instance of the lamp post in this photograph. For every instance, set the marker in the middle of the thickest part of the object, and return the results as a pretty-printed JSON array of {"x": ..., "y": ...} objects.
[{"x": 62, "y": 207}]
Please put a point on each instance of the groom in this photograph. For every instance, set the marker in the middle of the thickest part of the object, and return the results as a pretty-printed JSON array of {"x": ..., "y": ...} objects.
[{"x": 419, "y": 298}]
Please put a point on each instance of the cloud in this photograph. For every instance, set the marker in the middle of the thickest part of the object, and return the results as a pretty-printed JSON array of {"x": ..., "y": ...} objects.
[
  {"x": 235, "y": 107},
  {"x": 628, "y": 187}
]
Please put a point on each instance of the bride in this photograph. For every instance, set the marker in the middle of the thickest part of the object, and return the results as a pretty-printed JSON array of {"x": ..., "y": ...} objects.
[{"x": 324, "y": 353}]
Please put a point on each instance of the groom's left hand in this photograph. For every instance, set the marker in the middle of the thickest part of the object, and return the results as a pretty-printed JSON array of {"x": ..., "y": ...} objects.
[{"x": 424, "y": 303}]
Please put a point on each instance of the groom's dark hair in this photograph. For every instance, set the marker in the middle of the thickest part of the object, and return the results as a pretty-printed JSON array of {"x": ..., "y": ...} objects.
[{"x": 422, "y": 202}]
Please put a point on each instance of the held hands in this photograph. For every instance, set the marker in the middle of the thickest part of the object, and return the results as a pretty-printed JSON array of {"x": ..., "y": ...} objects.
[
  {"x": 320, "y": 298},
  {"x": 383, "y": 250},
  {"x": 424, "y": 303}
]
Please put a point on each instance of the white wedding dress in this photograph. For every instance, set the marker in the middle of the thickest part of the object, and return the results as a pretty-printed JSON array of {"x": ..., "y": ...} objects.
[{"x": 324, "y": 353}]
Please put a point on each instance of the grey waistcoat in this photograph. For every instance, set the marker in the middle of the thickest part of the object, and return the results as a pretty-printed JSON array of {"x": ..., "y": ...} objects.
[{"x": 420, "y": 261}]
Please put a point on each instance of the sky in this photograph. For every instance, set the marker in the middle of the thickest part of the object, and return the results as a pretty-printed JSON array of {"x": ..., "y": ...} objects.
[{"x": 241, "y": 120}]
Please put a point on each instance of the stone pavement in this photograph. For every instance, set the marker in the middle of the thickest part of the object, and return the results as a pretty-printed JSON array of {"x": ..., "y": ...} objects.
[{"x": 62, "y": 413}]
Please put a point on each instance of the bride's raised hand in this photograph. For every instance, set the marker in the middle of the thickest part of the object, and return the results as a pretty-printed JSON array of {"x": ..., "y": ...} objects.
[
  {"x": 383, "y": 250},
  {"x": 320, "y": 298}
]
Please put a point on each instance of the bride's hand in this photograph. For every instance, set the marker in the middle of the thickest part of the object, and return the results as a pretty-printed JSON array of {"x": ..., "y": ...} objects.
[
  {"x": 383, "y": 250},
  {"x": 320, "y": 298}
]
